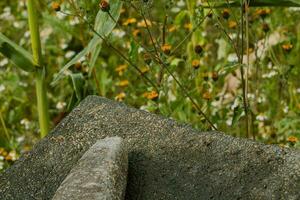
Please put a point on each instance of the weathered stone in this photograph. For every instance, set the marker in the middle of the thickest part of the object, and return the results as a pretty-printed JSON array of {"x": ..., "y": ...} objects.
[
  {"x": 100, "y": 174},
  {"x": 166, "y": 160}
]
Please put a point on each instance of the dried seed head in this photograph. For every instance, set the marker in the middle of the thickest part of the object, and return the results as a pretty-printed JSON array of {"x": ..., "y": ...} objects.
[
  {"x": 226, "y": 13},
  {"x": 265, "y": 27},
  {"x": 55, "y": 6},
  {"x": 198, "y": 49},
  {"x": 147, "y": 58},
  {"x": 215, "y": 76},
  {"x": 205, "y": 76},
  {"x": 104, "y": 6}
]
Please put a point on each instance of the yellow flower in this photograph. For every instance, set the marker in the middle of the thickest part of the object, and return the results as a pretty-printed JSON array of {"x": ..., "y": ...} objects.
[
  {"x": 142, "y": 23},
  {"x": 188, "y": 26},
  {"x": 120, "y": 97},
  {"x": 232, "y": 24},
  {"x": 120, "y": 69},
  {"x": 129, "y": 21},
  {"x": 145, "y": 69},
  {"x": 172, "y": 29},
  {"x": 123, "y": 83}
]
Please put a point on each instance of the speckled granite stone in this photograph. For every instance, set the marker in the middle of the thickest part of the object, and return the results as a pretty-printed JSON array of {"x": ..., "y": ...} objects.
[
  {"x": 100, "y": 174},
  {"x": 167, "y": 160}
]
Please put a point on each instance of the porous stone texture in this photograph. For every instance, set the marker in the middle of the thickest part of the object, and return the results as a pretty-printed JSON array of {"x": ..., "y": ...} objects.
[
  {"x": 100, "y": 173},
  {"x": 167, "y": 160}
]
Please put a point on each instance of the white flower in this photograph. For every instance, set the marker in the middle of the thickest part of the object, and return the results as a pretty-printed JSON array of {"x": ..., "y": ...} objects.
[
  {"x": 251, "y": 96},
  {"x": 229, "y": 121},
  {"x": 2, "y": 88},
  {"x": 181, "y": 3},
  {"x": 175, "y": 9},
  {"x": 232, "y": 58},
  {"x": 70, "y": 54},
  {"x": 261, "y": 99},
  {"x": 118, "y": 33},
  {"x": 13, "y": 155},
  {"x": 3, "y": 62},
  {"x": 298, "y": 90},
  {"x": 286, "y": 109},
  {"x": 261, "y": 117},
  {"x": 75, "y": 21},
  {"x": 26, "y": 123},
  {"x": 20, "y": 139},
  {"x": 270, "y": 75},
  {"x": 61, "y": 105}
]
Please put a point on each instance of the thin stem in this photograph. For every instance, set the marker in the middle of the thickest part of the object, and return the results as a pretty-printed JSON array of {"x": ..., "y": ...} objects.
[
  {"x": 242, "y": 71},
  {"x": 42, "y": 102},
  {"x": 4, "y": 126}
]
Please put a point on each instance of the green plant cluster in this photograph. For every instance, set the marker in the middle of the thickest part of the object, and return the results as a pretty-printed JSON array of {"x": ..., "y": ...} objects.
[{"x": 213, "y": 64}]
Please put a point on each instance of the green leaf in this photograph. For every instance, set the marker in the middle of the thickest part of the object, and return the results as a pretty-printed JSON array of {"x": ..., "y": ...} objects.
[
  {"x": 133, "y": 52},
  {"x": 19, "y": 56},
  {"x": 77, "y": 80},
  {"x": 104, "y": 25}
]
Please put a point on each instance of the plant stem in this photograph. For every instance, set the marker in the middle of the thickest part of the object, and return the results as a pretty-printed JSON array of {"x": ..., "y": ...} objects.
[
  {"x": 42, "y": 102},
  {"x": 4, "y": 126}
]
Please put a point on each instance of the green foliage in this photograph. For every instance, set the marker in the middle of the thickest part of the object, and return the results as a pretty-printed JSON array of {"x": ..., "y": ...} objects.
[{"x": 19, "y": 56}]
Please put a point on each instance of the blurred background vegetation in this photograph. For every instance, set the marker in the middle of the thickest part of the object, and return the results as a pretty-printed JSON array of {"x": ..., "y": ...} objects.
[{"x": 200, "y": 49}]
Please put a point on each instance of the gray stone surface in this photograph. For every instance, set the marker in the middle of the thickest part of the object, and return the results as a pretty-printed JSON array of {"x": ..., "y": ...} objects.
[
  {"x": 167, "y": 160},
  {"x": 100, "y": 174}
]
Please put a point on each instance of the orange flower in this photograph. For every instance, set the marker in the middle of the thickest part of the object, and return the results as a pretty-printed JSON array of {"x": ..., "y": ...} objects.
[
  {"x": 151, "y": 95},
  {"x": 137, "y": 33},
  {"x": 263, "y": 12},
  {"x": 206, "y": 96},
  {"x": 55, "y": 6},
  {"x": 287, "y": 47},
  {"x": 166, "y": 48},
  {"x": 292, "y": 139},
  {"x": 196, "y": 64}
]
